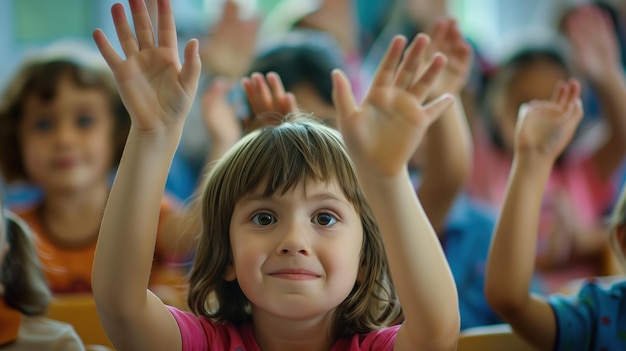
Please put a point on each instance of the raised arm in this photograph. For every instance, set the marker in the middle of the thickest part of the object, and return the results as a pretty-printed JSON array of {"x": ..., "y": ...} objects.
[
  {"x": 158, "y": 92},
  {"x": 596, "y": 52},
  {"x": 544, "y": 129},
  {"x": 447, "y": 149},
  {"x": 381, "y": 135}
]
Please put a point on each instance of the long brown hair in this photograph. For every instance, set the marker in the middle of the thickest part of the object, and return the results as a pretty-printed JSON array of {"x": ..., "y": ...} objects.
[{"x": 281, "y": 157}]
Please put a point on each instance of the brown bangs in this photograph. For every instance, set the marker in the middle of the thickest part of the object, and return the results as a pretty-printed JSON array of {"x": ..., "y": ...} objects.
[{"x": 281, "y": 157}]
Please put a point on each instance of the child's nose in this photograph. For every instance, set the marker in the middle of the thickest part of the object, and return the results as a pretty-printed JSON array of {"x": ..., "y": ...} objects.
[
  {"x": 65, "y": 134},
  {"x": 294, "y": 241}
]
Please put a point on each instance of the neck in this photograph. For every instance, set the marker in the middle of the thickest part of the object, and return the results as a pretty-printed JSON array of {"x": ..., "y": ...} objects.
[
  {"x": 73, "y": 217},
  {"x": 275, "y": 333}
]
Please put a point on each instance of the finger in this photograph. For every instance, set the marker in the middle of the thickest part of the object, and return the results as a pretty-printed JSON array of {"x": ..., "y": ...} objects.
[
  {"x": 106, "y": 50},
  {"x": 277, "y": 91},
  {"x": 387, "y": 68},
  {"x": 343, "y": 98},
  {"x": 558, "y": 92},
  {"x": 462, "y": 47},
  {"x": 143, "y": 26},
  {"x": 437, "y": 37},
  {"x": 124, "y": 33},
  {"x": 190, "y": 72},
  {"x": 248, "y": 87},
  {"x": 166, "y": 26},
  {"x": 574, "y": 92},
  {"x": 435, "y": 108},
  {"x": 291, "y": 104},
  {"x": 422, "y": 86},
  {"x": 230, "y": 12},
  {"x": 410, "y": 63},
  {"x": 263, "y": 94}
]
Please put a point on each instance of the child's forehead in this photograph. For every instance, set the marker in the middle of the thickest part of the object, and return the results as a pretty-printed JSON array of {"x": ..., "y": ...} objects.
[{"x": 304, "y": 186}]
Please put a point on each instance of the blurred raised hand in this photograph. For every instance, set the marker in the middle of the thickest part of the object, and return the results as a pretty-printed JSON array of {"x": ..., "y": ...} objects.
[
  {"x": 596, "y": 49},
  {"x": 545, "y": 128},
  {"x": 229, "y": 49},
  {"x": 446, "y": 38},
  {"x": 269, "y": 102}
]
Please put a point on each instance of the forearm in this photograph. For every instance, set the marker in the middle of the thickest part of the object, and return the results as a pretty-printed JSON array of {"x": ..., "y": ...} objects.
[
  {"x": 418, "y": 266},
  {"x": 128, "y": 232},
  {"x": 510, "y": 264},
  {"x": 612, "y": 95},
  {"x": 447, "y": 163}
]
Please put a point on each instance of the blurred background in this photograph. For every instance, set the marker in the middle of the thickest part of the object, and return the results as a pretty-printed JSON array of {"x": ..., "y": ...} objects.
[{"x": 493, "y": 25}]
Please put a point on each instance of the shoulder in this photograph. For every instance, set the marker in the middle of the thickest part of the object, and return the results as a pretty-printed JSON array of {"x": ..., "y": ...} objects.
[
  {"x": 590, "y": 316},
  {"x": 592, "y": 297},
  {"x": 379, "y": 340},
  {"x": 46, "y": 334}
]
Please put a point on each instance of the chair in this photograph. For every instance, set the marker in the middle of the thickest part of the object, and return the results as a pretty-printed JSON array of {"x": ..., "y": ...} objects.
[
  {"x": 492, "y": 338},
  {"x": 80, "y": 312}
]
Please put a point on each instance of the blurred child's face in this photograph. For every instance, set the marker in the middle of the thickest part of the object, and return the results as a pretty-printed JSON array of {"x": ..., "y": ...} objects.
[
  {"x": 310, "y": 101},
  {"x": 535, "y": 82},
  {"x": 67, "y": 142},
  {"x": 296, "y": 255}
]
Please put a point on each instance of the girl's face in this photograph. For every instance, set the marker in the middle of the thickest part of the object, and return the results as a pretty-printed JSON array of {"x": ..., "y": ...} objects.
[
  {"x": 535, "y": 82},
  {"x": 67, "y": 142},
  {"x": 296, "y": 256}
]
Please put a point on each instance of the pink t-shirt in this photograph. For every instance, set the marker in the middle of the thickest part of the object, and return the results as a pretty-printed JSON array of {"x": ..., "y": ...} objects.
[
  {"x": 201, "y": 334},
  {"x": 574, "y": 191}
]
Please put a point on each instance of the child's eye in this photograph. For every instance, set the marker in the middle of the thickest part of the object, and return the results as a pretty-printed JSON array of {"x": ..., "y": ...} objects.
[
  {"x": 263, "y": 218},
  {"x": 84, "y": 121},
  {"x": 325, "y": 219},
  {"x": 43, "y": 125}
]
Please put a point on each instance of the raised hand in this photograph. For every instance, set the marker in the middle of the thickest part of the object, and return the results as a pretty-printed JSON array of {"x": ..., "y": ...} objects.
[
  {"x": 384, "y": 131},
  {"x": 229, "y": 50},
  {"x": 155, "y": 88},
  {"x": 447, "y": 39},
  {"x": 596, "y": 50},
  {"x": 545, "y": 128},
  {"x": 268, "y": 100}
]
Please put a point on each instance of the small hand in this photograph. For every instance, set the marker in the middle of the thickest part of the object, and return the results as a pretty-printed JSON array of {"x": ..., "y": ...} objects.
[
  {"x": 385, "y": 130},
  {"x": 155, "y": 89},
  {"x": 268, "y": 100},
  {"x": 547, "y": 127},
  {"x": 229, "y": 50},
  {"x": 596, "y": 50},
  {"x": 447, "y": 39},
  {"x": 220, "y": 117}
]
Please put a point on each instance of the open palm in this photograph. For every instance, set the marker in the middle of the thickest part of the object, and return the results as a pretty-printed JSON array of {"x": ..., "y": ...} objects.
[
  {"x": 384, "y": 131},
  {"x": 155, "y": 88},
  {"x": 547, "y": 127}
]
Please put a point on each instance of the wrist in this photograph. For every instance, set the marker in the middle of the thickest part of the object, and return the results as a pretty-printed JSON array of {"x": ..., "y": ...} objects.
[
  {"x": 532, "y": 164},
  {"x": 611, "y": 81}
]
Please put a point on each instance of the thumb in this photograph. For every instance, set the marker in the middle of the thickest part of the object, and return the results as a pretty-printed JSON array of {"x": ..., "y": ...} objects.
[
  {"x": 190, "y": 72},
  {"x": 435, "y": 108},
  {"x": 343, "y": 98}
]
